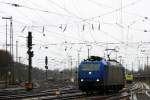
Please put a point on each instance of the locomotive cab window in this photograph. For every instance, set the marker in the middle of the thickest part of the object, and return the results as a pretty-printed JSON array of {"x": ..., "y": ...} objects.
[{"x": 90, "y": 67}]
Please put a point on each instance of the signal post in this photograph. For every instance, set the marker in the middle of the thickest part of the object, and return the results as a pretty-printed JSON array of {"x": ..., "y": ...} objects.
[{"x": 29, "y": 85}]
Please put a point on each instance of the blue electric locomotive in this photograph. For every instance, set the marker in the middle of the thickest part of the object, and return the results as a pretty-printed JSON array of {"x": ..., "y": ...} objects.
[{"x": 97, "y": 74}]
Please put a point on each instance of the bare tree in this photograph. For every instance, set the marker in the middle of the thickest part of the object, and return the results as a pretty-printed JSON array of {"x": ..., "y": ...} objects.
[{"x": 5, "y": 60}]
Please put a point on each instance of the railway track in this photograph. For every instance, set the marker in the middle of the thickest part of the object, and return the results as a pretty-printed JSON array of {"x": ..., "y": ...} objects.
[
  {"x": 68, "y": 93},
  {"x": 52, "y": 94},
  {"x": 143, "y": 91},
  {"x": 139, "y": 91},
  {"x": 63, "y": 94},
  {"x": 114, "y": 96}
]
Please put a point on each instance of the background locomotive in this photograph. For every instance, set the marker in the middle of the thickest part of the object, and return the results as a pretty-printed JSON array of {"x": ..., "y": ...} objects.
[
  {"x": 97, "y": 74},
  {"x": 129, "y": 78}
]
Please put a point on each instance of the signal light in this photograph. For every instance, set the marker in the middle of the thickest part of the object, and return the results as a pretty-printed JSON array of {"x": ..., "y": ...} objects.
[
  {"x": 29, "y": 39},
  {"x": 46, "y": 60},
  {"x": 46, "y": 67},
  {"x": 97, "y": 80}
]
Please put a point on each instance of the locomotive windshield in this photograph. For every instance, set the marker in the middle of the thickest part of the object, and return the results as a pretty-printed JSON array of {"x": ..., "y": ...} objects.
[{"x": 90, "y": 67}]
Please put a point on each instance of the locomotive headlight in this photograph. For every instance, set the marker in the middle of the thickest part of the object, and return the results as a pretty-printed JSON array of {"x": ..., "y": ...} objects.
[
  {"x": 81, "y": 80},
  {"x": 90, "y": 73},
  {"x": 97, "y": 80}
]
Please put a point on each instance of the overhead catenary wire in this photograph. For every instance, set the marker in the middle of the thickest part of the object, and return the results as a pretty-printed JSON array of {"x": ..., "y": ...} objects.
[
  {"x": 84, "y": 43},
  {"x": 114, "y": 10},
  {"x": 89, "y": 21},
  {"x": 36, "y": 5},
  {"x": 60, "y": 34},
  {"x": 69, "y": 12},
  {"x": 91, "y": 30},
  {"x": 36, "y": 9},
  {"x": 105, "y": 34},
  {"x": 15, "y": 5}
]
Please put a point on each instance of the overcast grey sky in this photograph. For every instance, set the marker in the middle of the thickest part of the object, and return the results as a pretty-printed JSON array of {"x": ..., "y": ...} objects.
[{"x": 63, "y": 28}]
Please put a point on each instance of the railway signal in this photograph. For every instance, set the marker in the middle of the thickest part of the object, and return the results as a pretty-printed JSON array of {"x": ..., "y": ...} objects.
[
  {"x": 46, "y": 67},
  {"x": 30, "y": 40},
  {"x": 46, "y": 60},
  {"x": 29, "y": 85}
]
